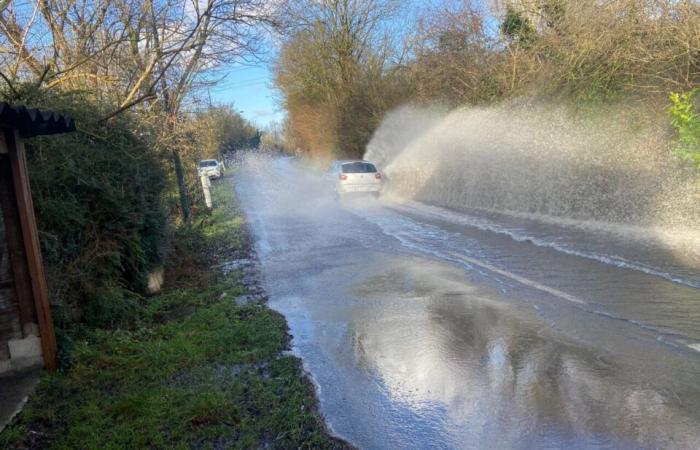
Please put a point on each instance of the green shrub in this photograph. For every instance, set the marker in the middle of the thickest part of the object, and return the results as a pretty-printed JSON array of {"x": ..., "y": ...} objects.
[
  {"x": 109, "y": 305},
  {"x": 685, "y": 118},
  {"x": 98, "y": 196},
  {"x": 516, "y": 27}
]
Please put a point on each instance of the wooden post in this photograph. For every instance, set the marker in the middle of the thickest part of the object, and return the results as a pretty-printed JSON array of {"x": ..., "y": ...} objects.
[
  {"x": 16, "y": 251},
  {"x": 206, "y": 185},
  {"x": 25, "y": 207}
]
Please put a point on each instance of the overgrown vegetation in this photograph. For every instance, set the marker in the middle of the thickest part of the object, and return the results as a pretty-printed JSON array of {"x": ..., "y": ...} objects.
[
  {"x": 195, "y": 371},
  {"x": 119, "y": 201},
  {"x": 106, "y": 201},
  {"x": 339, "y": 76},
  {"x": 130, "y": 72},
  {"x": 335, "y": 76},
  {"x": 109, "y": 195},
  {"x": 685, "y": 117},
  {"x": 98, "y": 195}
]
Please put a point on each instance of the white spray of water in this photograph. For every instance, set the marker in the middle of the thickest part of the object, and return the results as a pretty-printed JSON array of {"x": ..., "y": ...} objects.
[{"x": 533, "y": 159}]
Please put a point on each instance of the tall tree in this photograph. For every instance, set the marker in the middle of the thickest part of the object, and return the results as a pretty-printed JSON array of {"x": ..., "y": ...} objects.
[
  {"x": 333, "y": 51},
  {"x": 149, "y": 53}
]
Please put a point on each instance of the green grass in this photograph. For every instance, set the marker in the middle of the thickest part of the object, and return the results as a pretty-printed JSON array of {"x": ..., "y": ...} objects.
[{"x": 197, "y": 372}]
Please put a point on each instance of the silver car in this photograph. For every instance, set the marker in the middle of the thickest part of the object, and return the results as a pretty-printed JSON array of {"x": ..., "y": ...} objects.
[
  {"x": 355, "y": 176},
  {"x": 210, "y": 168}
]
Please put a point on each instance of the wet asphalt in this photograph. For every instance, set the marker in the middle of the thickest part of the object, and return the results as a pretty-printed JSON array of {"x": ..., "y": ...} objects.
[{"x": 422, "y": 330}]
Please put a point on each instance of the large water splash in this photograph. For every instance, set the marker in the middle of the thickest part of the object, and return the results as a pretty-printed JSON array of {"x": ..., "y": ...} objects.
[{"x": 538, "y": 160}]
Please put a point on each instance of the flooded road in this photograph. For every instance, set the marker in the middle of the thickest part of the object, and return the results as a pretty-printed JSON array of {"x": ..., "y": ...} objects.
[{"x": 427, "y": 328}]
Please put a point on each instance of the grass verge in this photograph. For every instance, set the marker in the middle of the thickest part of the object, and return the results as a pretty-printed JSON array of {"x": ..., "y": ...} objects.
[{"x": 196, "y": 371}]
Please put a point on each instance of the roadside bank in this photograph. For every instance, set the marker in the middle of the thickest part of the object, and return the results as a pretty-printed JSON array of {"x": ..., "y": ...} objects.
[{"x": 205, "y": 365}]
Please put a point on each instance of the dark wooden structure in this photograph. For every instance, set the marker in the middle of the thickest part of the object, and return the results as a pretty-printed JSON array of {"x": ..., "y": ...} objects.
[{"x": 27, "y": 336}]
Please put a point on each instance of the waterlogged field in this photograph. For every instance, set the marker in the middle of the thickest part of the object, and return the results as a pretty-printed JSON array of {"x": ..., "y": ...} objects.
[{"x": 471, "y": 327}]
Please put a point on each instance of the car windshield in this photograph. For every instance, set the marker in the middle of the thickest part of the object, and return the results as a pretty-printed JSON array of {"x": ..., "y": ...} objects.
[
  {"x": 208, "y": 163},
  {"x": 359, "y": 167}
]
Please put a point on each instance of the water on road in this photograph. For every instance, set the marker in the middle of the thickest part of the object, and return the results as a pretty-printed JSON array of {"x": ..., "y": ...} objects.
[{"x": 428, "y": 328}]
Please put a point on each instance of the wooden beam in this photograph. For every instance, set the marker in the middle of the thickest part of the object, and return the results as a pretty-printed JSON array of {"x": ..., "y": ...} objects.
[
  {"x": 25, "y": 207},
  {"x": 22, "y": 285}
]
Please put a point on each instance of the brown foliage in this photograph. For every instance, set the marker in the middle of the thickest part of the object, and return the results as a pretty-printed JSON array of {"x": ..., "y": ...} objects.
[
  {"x": 582, "y": 50},
  {"x": 464, "y": 53},
  {"x": 331, "y": 72},
  {"x": 311, "y": 130}
]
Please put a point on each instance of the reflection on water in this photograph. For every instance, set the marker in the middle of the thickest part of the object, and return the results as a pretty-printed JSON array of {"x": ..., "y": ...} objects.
[
  {"x": 409, "y": 352},
  {"x": 502, "y": 377},
  {"x": 629, "y": 292}
]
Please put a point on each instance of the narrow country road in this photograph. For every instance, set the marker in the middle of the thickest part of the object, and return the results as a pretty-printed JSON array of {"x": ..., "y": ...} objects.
[{"x": 425, "y": 328}]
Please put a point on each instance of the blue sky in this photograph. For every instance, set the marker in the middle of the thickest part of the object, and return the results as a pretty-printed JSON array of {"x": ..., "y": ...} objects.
[
  {"x": 250, "y": 89},
  {"x": 250, "y": 86}
]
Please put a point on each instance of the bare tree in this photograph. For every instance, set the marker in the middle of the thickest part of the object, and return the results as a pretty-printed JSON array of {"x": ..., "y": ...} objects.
[
  {"x": 143, "y": 49},
  {"x": 151, "y": 53},
  {"x": 185, "y": 41},
  {"x": 333, "y": 51}
]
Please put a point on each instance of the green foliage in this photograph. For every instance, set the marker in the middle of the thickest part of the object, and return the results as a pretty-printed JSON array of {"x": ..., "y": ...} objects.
[
  {"x": 517, "y": 28},
  {"x": 212, "y": 377},
  {"x": 98, "y": 199},
  {"x": 233, "y": 131},
  {"x": 108, "y": 305},
  {"x": 685, "y": 118},
  {"x": 199, "y": 372}
]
